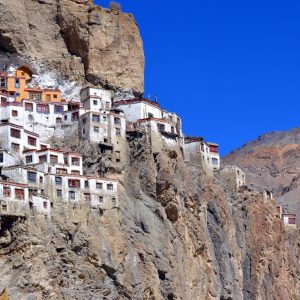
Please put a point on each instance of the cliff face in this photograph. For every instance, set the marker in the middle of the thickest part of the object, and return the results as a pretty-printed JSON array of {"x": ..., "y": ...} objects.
[
  {"x": 178, "y": 234},
  {"x": 77, "y": 39},
  {"x": 272, "y": 162}
]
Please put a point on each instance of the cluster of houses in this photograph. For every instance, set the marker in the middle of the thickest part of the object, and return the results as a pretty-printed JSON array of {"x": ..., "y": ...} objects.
[{"x": 34, "y": 176}]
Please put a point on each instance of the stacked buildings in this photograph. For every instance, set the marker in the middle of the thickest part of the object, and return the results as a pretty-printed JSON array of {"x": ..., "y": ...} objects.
[{"x": 34, "y": 177}]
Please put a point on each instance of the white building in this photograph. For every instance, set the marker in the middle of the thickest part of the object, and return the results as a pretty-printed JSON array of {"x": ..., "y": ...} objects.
[
  {"x": 16, "y": 139},
  {"x": 96, "y": 99},
  {"x": 234, "y": 176},
  {"x": 214, "y": 155},
  {"x": 18, "y": 197},
  {"x": 54, "y": 161},
  {"x": 289, "y": 220}
]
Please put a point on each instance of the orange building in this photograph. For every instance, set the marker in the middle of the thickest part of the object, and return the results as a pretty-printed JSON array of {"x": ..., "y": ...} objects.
[{"x": 13, "y": 83}]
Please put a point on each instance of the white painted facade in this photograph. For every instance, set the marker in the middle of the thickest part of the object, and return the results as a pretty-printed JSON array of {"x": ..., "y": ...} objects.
[
  {"x": 137, "y": 109},
  {"x": 289, "y": 220},
  {"x": 96, "y": 99}
]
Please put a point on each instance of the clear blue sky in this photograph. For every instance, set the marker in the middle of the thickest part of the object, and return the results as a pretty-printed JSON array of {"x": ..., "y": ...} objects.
[{"x": 230, "y": 69}]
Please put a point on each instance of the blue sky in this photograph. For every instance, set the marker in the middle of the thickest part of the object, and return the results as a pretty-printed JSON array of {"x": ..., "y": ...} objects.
[{"x": 230, "y": 69}]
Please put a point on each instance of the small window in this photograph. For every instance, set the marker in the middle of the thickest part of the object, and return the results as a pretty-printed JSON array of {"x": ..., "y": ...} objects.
[
  {"x": 30, "y": 118},
  {"x": 95, "y": 102},
  {"x": 14, "y": 113},
  {"x": 84, "y": 121},
  {"x": 1, "y": 157},
  {"x": 29, "y": 106},
  {"x": 58, "y": 180},
  {"x": 19, "y": 194},
  {"x": 118, "y": 131},
  {"x": 96, "y": 118},
  {"x": 53, "y": 159},
  {"x": 99, "y": 185},
  {"x": 43, "y": 158},
  {"x": 29, "y": 159},
  {"x": 101, "y": 199},
  {"x": 15, "y": 147},
  {"x": 55, "y": 96},
  {"x": 41, "y": 179},
  {"x": 58, "y": 120},
  {"x": 113, "y": 200},
  {"x": 86, "y": 184},
  {"x": 110, "y": 187},
  {"x": 45, "y": 205},
  {"x": 104, "y": 118},
  {"x": 96, "y": 129},
  {"x": 16, "y": 133},
  {"x": 75, "y": 172},
  {"x": 31, "y": 141},
  {"x": 6, "y": 191},
  {"x": 71, "y": 195},
  {"x": 87, "y": 196},
  {"x": 66, "y": 117},
  {"x": 17, "y": 83},
  {"x": 4, "y": 207},
  {"x": 215, "y": 161},
  {"x": 75, "y": 161},
  {"x": 31, "y": 176},
  {"x": 59, "y": 193},
  {"x": 117, "y": 121},
  {"x": 83, "y": 131}
]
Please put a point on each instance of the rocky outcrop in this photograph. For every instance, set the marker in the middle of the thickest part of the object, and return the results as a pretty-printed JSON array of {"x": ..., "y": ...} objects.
[
  {"x": 77, "y": 39},
  {"x": 271, "y": 162},
  {"x": 178, "y": 234}
]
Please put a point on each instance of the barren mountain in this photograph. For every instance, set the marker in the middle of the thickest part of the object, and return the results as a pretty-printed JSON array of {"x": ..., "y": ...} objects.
[{"x": 272, "y": 162}]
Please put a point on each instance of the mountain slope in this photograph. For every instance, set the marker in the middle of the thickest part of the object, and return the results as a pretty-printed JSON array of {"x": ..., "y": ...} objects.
[{"x": 272, "y": 162}]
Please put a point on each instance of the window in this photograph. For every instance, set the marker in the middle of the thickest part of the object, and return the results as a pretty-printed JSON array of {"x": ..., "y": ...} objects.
[
  {"x": 4, "y": 207},
  {"x": 118, "y": 156},
  {"x": 66, "y": 117},
  {"x": 75, "y": 172},
  {"x": 83, "y": 131},
  {"x": 107, "y": 105},
  {"x": 6, "y": 191},
  {"x": 19, "y": 194},
  {"x": 58, "y": 180},
  {"x": 96, "y": 118},
  {"x": 110, "y": 187},
  {"x": 292, "y": 220},
  {"x": 84, "y": 121},
  {"x": 17, "y": 95},
  {"x": 74, "y": 183},
  {"x": 31, "y": 176},
  {"x": 150, "y": 115},
  {"x": 95, "y": 102},
  {"x": 42, "y": 108},
  {"x": 118, "y": 131},
  {"x": 16, "y": 133},
  {"x": 41, "y": 179},
  {"x": 75, "y": 161},
  {"x": 87, "y": 196},
  {"x": 28, "y": 159},
  {"x": 86, "y": 184},
  {"x": 45, "y": 205},
  {"x": 43, "y": 146},
  {"x": 58, "y": 109},
  {"x": 113, "y": 200},
  {"x": 96, "y": 129},
  {"x": 101, "y": 199},
  {"x": 104, "y": 118},
  {"x": 117, "y": 121},
  {"x": 214, "y": 161},
  {"x": 1, "y": 157},
  {"x": 15, "y": 147},
  {"x": 172, "y": 129},
  {"x": 32, "y": 192},
  {"x": 58, "y": 120},
  {"x": 14, "y": 113},
  {"x": 3, "y": 82},
  {"x": 99, "y": 185},
  {"x": 31, "y": 141},
  {"x": 53, "y": 159},
  {"x": 71, "y": 195},
  {"x": 161, "y": 127},
  {"x": 35, "y": 96},
  {"x": 30, "y": 118},
  {"x": 54, "y": 96},
  {"x": 43, "y": 158},
  {"x": 59, "y": 193},
  {"x": 17, "y": 83},
  {"x": 75, "y": 116}
]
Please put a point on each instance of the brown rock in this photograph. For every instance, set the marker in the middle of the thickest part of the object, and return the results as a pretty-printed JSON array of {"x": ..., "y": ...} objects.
[{"x": 77, "y": 39}]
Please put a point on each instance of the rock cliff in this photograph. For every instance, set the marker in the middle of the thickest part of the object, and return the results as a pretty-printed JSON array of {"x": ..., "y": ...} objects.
[
  {"x": 272, "y": 162},
  {"x": 178, "y": 234},
  {"x": 77, "y": 39}
]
